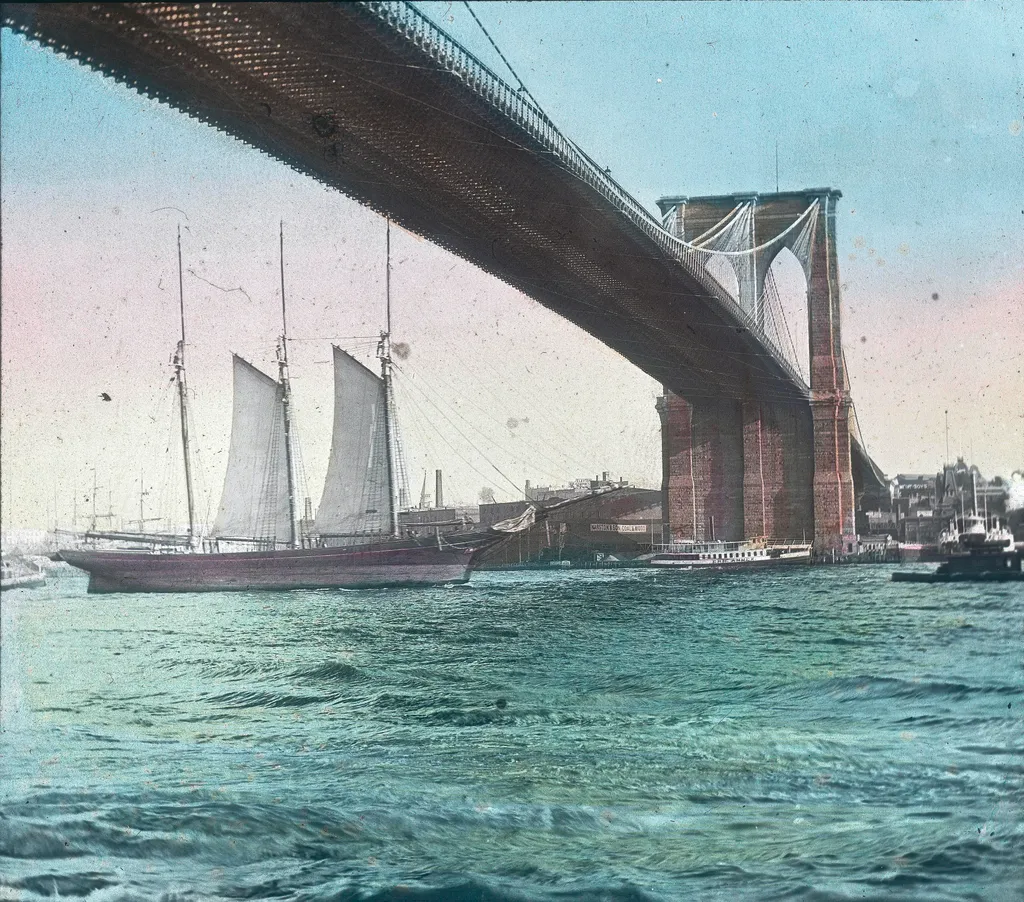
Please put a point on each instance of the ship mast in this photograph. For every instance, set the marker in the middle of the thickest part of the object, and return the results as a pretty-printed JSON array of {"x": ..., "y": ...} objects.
[
  {"x": 179, "y": 375},
  {"x": 384, "y": 355},
  {"x": 286, "y": 397}
]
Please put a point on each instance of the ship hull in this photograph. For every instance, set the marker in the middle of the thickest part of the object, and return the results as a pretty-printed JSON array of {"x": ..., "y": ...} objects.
[{"x": 351, "y": 567}]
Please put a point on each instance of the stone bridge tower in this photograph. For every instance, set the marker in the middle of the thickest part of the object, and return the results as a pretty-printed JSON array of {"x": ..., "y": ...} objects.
[{"x": 751, "y": 466}]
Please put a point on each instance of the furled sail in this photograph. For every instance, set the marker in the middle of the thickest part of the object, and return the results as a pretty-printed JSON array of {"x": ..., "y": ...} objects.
[
  {"x": 356, "y": 497},
  {"x": 254, "y": 504}
]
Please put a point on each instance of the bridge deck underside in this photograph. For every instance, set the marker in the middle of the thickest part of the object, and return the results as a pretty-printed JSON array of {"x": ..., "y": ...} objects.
[{"x": 333, "y": 92}]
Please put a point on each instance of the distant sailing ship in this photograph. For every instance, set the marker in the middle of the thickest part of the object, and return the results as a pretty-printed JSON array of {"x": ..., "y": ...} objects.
[
  {"x": 355, "y": 541},
  {"x": 20, "y": 575}
]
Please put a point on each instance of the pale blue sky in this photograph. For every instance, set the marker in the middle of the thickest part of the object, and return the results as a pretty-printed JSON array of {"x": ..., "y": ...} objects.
[
  {"x": 913, "y": 110},
  {"x": 909, "y": 108}
]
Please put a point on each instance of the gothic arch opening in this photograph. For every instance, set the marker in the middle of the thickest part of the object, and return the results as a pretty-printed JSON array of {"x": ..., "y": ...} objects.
[{"x": 785, "y": 311}]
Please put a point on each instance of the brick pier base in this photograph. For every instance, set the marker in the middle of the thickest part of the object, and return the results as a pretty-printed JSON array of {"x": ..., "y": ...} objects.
[
  {"x": 702, "y": 469},
  {"x": 778, "y": 471},
  {"x": 732, "y": 471},
  {"x": 833, "y": 475}
]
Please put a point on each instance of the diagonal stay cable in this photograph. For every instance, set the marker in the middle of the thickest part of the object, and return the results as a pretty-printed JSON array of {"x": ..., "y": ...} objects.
[
  {"x": 508, "y": 65},
  {"x": 422, "y": 418}
]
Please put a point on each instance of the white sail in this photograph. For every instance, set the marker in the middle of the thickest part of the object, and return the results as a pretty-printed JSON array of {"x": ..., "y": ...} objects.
[
  {"x": 254, "y": 504},
  {"x": 356, "y": 498}
]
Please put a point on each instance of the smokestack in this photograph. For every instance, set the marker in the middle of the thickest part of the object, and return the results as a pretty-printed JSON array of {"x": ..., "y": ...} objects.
[
  {"x": 527, "y": 491},
  {"x": 438, "y": 490}
]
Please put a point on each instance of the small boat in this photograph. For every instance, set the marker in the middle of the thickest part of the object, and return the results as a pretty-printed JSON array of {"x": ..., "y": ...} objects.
[
  {"x": 729, "y": 555},
  {"x": 258, "y": 541},
  {"x": 984, "y": 551},
  {"x": 18, "y": 576},
  {"x": 979, "y": 564}
]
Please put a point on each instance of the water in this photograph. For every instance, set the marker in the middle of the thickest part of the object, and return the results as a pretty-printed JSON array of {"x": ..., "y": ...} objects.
[{"x": 614, "y": 735}]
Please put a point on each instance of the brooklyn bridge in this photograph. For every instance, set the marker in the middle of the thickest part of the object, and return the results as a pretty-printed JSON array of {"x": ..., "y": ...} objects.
[{"x": 375, "y": 101}]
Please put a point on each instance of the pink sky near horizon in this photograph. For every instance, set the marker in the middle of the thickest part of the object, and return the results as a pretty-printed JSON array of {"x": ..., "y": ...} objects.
[{"x": 77, "y": 309}]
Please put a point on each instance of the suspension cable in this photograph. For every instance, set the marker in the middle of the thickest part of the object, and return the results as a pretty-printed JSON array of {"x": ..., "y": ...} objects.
[{"x": 508, "y": 65}]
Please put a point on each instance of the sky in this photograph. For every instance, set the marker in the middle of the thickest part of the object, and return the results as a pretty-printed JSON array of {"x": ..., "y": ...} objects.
[{"x": 914, "y": 111}]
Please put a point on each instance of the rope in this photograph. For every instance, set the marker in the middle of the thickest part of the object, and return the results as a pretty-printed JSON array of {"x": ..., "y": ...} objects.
[
  {"x": 425, "y": 419},
  {"x": 465, "y": 438},
  {"x": 718, "y": 227},
  {"x": 799, "y": 221},
  {"x": 774, "y": 299}
]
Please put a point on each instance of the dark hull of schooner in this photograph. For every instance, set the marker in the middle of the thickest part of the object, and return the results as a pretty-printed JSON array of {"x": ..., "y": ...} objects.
[{"x": 387, "y": 563}]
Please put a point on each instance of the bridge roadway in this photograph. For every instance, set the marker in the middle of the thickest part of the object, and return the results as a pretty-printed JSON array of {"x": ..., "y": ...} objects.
[{"x": 374, "y": 101}]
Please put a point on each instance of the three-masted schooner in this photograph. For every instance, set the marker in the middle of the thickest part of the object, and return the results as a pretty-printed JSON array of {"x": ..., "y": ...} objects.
[{"x": 355, "y": 541}]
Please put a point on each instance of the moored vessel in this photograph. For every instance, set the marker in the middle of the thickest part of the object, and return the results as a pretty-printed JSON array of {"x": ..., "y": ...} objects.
[
  {"x": 978, "y": 564},
  {"x": 385, "y": 563},
  {"x": 729, "y": 555},
  {"x": 21, "y": 575},
  {"x": 258, "y": 540},
  {"x": 975, "y": 549}
]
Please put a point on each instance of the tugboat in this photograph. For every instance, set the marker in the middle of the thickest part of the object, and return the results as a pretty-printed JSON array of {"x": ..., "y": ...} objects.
[{"x": 984, "y": 551}]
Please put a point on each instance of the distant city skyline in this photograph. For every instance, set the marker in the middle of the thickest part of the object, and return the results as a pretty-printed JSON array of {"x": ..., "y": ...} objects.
[{"x": 914, "y": 111}]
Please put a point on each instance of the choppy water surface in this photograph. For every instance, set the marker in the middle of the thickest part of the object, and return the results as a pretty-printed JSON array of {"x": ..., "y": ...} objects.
[{"x": 813, "y": 733}]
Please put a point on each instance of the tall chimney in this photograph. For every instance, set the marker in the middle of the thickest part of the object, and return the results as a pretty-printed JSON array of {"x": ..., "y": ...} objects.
[
  {"x": 438, "y": 490},
  {"x": 526, "y": 492}
]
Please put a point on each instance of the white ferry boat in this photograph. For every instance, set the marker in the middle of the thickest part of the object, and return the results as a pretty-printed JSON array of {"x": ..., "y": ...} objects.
[{"x": 729, "y": 555}]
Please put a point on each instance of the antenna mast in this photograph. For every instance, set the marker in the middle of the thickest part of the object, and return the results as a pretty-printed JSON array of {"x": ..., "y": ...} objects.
[
  {"x": 384, "y": 355},
  {"x": 286, "y": 397},
  {"x": 387, "y": 273},
  {"x": 95, "y": 489},
  {"x": 947, "y": 438},
  {"x": 179, "y": 375}
]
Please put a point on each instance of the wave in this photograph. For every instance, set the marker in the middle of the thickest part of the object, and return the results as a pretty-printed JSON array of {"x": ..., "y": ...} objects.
[
  {"x": 330, "y": 670},
  {"x": 477, "y": 890},
  {"x": 881, "y": 687},
  {"x": 53, "y": 886},
  {"x": 256, "y": 699}
]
